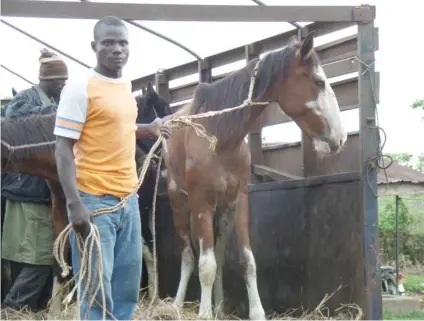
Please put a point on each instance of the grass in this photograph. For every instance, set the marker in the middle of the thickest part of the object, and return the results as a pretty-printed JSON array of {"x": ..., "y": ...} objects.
[
  {"x": 412, "y": 283},
  {"x": 418, "y": 315}
]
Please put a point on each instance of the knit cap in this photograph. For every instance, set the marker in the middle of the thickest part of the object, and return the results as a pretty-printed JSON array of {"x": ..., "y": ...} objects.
[{"x": 52, "y": 66}]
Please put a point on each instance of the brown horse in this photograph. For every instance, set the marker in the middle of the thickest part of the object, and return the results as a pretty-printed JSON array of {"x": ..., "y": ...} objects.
[
  {"x": 213, "y": 186},
  {"x": 37, "y": 159}
]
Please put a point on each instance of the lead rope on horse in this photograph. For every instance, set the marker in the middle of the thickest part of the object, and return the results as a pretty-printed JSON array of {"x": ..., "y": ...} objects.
[{"x": 93, "y": 239}]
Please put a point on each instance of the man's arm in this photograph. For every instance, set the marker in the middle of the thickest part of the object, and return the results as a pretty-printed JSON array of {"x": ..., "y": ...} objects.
[
  {"x": 70, "y": 120},
  {"x": 154, "y": 129},
  {"x": 66, "y": 168}
]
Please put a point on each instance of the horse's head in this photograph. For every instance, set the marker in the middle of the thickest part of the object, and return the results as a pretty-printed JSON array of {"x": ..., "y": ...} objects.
[
  {"x": 151, "y": 105},
  {"x": 303, "y": 92}
]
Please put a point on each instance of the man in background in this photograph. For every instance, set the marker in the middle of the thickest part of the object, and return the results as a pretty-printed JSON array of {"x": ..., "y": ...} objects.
[{"x": 28, "y": 236}]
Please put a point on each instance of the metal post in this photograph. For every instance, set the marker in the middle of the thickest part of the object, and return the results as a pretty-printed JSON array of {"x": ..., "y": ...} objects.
[
  {"x": 205, "y": 70},
  {"x": 369, "y": 148},
  {"x": 397, "y": 244}
]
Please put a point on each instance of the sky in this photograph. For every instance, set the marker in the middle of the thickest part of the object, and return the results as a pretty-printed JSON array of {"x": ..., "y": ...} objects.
[{"x": 400, "y": 76}]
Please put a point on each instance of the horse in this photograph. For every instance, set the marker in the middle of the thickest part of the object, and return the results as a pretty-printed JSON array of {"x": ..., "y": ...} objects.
[
  {"x": 208, "y": 190},
  {"x": 38, "y": 159},
  {"x": 150, "y": 106}
]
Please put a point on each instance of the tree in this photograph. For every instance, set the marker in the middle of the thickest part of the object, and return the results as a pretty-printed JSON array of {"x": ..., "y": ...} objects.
[
  {"x": 420, "y": 163},
  {"x": 418, "y": 104},
  {"x": 405, "y": 159}
]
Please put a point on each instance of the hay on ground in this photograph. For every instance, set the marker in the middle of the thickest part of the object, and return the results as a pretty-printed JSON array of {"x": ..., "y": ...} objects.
[{"x": 163, "y": 310}]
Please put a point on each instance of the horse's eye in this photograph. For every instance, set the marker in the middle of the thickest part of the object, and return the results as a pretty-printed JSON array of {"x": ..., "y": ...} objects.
[{"x": 320, "y": 83}]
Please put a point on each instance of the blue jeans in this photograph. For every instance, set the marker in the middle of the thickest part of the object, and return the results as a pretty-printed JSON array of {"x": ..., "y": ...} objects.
[{"x": 120, "y": 237}]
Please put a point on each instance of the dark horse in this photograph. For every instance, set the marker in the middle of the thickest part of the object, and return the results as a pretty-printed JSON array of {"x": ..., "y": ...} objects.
[
  {"x": 38, "y": 159},
  {"x": 150, "y": 106}
]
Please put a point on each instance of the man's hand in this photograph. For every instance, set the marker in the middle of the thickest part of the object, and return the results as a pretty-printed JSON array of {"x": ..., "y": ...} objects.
[
  {"x": 158, "y": 128},
  {"x": 80, "y": 217}
]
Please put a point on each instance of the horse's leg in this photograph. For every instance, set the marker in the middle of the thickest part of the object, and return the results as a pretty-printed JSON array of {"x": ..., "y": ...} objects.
[
  {"x": 181, "y": 217},
  {"x": 60, "y": 221},
  {"x": 256, "y": 311},
  {"x": 152, "y": 274},
  {"x": 202, "y": 214},
  {"x": 225, "y": 223}
]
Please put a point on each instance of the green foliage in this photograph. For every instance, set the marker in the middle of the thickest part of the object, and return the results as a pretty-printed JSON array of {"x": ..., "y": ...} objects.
[
  {"x": 418, "y": 104},
  {"x": 411, "y": 240},
  {"x": 405, "y": 159},
  {"x": 420, "y": 163},
  {"x": 418, "y": 315},
  {"x": 414, "y": 283}
]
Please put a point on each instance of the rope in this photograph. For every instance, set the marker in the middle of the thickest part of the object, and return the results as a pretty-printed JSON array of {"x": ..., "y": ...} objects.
[
  {"x": 153, "y": 299},
  {"x": 94, "y": 237}
]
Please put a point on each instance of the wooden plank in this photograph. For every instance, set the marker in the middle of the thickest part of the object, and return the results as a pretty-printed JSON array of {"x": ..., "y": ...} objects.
[
  {"x": 185, "y": 92},
  {"x": 179, "y": 12},
  {"x": 344, "y": 45},
  {"x": 276, "y": 175}
]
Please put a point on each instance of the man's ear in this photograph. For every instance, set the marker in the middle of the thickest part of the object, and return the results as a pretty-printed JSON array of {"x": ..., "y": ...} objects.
[{"x": 93, "y": 46}]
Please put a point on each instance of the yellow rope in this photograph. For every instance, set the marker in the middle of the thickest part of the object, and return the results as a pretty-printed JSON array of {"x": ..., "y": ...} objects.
[{"x": 93, "y": 237}]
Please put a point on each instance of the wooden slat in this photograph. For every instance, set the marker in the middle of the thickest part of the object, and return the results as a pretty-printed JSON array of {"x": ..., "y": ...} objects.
[
  {"x": 338, "y": 68},
  {"x": 274, "y": 174},
  {"x": 344, "y": 45}
]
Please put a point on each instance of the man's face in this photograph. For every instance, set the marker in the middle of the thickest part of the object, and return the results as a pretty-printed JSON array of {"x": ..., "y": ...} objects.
[
  {"x": 55, "y": 86},
  {"x": 111, "y": 47}
]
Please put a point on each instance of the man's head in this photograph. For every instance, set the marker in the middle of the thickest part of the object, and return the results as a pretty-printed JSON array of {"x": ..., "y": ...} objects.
[
  {"x": 111, "y": 44},
  {"x": 53, "y": 73}
]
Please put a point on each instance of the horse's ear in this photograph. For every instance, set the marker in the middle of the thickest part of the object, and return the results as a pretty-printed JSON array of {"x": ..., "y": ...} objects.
[
  {"x": 150, "y": 87},
  {"x": 307, "y": 46},
  {"x": 14, "y": 92},
  {"x": 143, "y": 91}
]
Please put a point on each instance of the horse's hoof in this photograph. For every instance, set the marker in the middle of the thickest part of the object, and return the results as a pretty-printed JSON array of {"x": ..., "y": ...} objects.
[
  {"x": 221, "y": 315},
  {"x": 257, "y": 314},
  {"x": 205, "y": 315}
]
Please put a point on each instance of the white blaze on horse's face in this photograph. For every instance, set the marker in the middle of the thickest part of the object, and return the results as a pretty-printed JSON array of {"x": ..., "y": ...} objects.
[{"x": 327, "y": 107}]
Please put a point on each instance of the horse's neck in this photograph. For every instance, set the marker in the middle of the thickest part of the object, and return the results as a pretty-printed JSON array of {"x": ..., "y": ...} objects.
[{"x": 238, "y": 137}]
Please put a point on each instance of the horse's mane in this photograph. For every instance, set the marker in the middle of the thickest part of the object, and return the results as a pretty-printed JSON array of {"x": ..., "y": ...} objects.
[
  {"x": 32, "y": 131},
  {"x": 232, "y": 90}
]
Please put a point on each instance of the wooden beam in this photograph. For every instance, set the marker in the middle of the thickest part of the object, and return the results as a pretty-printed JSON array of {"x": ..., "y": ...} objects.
[
  {"x": 168, "y": 12},
  {"x": 274, "y": 174},
  {"x": 368, "y": 150},
  {"x": 326, "y": 52}
]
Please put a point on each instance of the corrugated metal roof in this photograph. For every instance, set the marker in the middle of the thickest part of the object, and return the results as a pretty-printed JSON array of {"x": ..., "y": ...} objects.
[{"x": 400, "y": 174}]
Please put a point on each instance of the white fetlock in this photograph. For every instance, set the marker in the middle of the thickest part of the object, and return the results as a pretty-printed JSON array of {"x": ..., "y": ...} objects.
[{"x": 257, "y": 314}]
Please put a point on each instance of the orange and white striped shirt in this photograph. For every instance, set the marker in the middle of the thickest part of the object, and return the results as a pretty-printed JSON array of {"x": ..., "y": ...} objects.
[{"x": 100, "y": 113}]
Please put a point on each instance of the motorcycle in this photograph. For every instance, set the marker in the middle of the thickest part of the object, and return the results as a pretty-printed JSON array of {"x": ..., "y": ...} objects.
[{"x": 388, "y": 281}]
